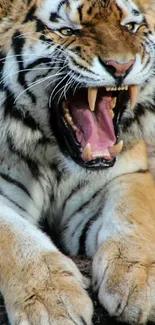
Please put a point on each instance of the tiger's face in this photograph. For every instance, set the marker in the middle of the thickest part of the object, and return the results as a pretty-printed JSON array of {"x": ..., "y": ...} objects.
[{"x": 102, "y": 55}]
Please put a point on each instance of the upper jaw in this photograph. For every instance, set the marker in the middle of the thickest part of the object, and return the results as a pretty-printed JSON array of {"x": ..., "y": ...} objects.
[{"x": 133, "y": 94}]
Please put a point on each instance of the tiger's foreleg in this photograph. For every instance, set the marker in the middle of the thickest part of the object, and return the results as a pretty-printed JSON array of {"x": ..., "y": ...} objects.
[
  {"x": 39, "y": 284},
  {"x": 124, "y": 264}
]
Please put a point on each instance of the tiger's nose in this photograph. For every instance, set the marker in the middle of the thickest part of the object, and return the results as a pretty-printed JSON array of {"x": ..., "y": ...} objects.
[{"x": 118, "y": 69}]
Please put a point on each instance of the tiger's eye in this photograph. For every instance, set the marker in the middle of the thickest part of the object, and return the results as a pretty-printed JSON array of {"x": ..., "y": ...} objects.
[{"x": 66, "y": 31}]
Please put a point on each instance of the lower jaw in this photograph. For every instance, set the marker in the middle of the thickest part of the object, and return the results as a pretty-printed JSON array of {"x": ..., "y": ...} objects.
[
  {"x": 72, "y": 151},
  {"x": 96, "y": 164}
]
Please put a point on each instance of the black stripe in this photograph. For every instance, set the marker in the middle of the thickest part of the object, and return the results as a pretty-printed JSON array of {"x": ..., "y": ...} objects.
[
  {"x": 18, "y": 42},
  {"x": 7, "y": 197},
  {"x": 29, "y": 2},
  {"x": 54, "y": 17},
  {"x": 8, "y": 102},
  {"x": 32, "y": 165},
  {"x": 120, "y": 11},
  {"x": 30, "y": 15},
  {"x": 11, "y": 110},
  {"x": 52, "y": 231},
  {"x": 89, "y": 11},
  {"x": 139, "y": 111},
  {"x": 56, "y": 171},
  {"x": 22, "y": 116},
  {"x": 63, "y": 2},
  {"x": 45, "y": 39},
  {"x": 142, "y": 171},
  {"x": 69, "y": 43},
  {"x": 26, "y": 119},
  {"x": 81, "y": 208},
  {"x": 77, "y": 189},
  {"x": 79, "y": 9},
  {"x": 38, "y": 62},
  {"x": 15, "y": 182},
  {"x": 79, "y": 66},
  {"x": 2, "y": 61},
  {"x": 88, "y": 202},
  {"x": 40, "y": 27},
  {"x": 41, "y": 75},
  {"x": 83, "y": 320},
  {"x": 126, "y": 124},
  {"x": 82, "y": 238}
]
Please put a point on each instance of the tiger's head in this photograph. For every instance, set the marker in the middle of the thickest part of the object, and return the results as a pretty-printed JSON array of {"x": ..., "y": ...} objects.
[{"x": 100, "y": 56}]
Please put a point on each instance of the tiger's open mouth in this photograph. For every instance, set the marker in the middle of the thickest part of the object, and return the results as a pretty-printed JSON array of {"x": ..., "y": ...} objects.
[{"x": 89, "y": 124}]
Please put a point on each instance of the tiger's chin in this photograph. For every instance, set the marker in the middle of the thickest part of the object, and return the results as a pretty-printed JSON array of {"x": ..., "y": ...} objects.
[{"x": 87, "y": 124}]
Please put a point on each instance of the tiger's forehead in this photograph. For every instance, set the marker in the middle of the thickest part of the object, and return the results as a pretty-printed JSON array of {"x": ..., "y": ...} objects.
[{"x": 81, "y": 11}]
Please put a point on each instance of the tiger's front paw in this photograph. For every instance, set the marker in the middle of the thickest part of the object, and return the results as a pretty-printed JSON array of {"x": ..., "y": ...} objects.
[
  {"x": 48, "y": 291},
  {"x": 124, "y": 277}
]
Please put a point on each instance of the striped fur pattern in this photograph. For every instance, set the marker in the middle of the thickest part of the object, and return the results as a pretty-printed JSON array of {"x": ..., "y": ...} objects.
[{"x": 108, "y": 214}]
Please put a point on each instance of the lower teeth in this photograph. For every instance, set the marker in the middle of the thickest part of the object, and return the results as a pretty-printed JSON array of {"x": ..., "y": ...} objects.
[
  {"x": 68, "y": 118},
  {"x": 114, "y": 151}
]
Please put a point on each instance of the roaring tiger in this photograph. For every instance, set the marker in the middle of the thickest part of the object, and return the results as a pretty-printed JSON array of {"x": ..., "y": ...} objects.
[{"x": 77, "y": 126}]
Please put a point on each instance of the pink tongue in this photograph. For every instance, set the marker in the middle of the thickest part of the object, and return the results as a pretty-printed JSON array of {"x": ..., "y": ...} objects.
[{"x": 95, "y": 128}]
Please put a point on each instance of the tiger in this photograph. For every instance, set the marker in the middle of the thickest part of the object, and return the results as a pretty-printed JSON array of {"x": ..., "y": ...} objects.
[{"x": 77, "y": 158}]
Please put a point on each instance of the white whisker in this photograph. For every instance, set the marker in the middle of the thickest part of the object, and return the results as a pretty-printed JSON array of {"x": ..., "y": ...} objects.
[
  {"x": 50, "y": 99},
  {"x": 66, "y": 88},
  {"x": 15, "y": 55},
  {"x": 33, "y": 84},
  {"x": 26, "y": 70},
  {"x": 62, "y": 72}
]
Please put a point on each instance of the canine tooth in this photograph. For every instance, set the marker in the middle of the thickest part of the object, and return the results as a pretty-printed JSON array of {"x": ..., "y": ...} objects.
[
  {"x": 87, "y": 152},
  {"x": 133, "y": 91},
  {"x": 107, "y": 88},
  {"x": 116, "y": 149},
  {"x": 92, "y": 95},
  {"x": 113, "y": 102}
]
